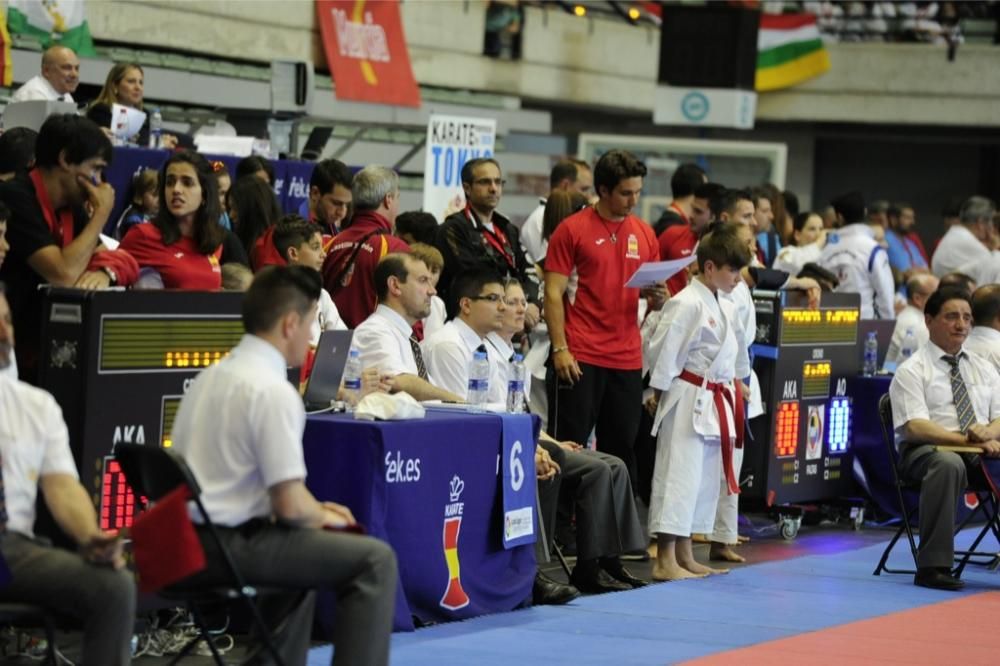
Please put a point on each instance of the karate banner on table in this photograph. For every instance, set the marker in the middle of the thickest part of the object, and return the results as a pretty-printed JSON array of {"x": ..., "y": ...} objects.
[
  {"x": 518, "y": 464},
  {"x": 366, "y": 51},
  {"x": 451, "y": 142}
]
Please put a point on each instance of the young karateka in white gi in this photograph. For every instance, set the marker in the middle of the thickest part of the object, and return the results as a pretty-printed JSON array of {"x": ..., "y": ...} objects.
[{"x": 697, "y": 360}]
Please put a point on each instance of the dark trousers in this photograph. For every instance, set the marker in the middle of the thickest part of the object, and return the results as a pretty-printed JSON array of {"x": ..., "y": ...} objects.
[
  {"x": 360, "y": 570},
  {"x": 102, "y": 598},
  {"x": 603, "y": 398}
]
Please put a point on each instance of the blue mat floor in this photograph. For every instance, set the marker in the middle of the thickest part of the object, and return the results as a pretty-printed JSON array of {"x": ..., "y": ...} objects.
[{"x": 671, "y": 622}]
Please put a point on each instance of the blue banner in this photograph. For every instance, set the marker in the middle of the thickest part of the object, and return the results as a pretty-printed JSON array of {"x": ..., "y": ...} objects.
[{"x": 519, "y": 489}]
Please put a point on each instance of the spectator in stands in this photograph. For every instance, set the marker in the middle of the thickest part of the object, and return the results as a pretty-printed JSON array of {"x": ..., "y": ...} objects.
[
  {"x": 124, "y": 86},
  {"x": 416, "y": 226},
  {"x": 55, "y": 240},
  {"x": 225, "y": 182},
  {"x": 329, "y": 199},
  {"x": 90, "y": 584},
  {"x": 858, "y": 261},
  {"x": 683, "y": 183},
  {"x": 144, "y": 196},
  {"x": 349, "y": 268},
  {"x": 404, "y": 287},
  {"x": 904, "y": 254},
  {"x": 431, "y": 256},
  {"x": 791, "y": 204},
  {"x": 944, "y": 395},
  {"x": 809, "y": 237},
  {"x": 985, "y": 336},
  {"x": 480, "y": 237},
  {"x": 255, "y": 165},
  {"x": 596, "y": 375},
  {"x": 567, "y": 175},
  {"x": 182, "y": 247},
  {"x": 878, "y": 213},
  {"x": 58, "y": 81},
  {"x": 253, "y": 212},
  {"x": 239, "y": 427},
  {"x": 767, "y": 236},
  {"x": 300, "y": 243},
  {"x": 17, "y": 151},
  {"x": 958, "y": 281},
  {"x": 919, "y": 288},
  {"x": 678, "y": 241},
  {"x": 966, "y": 247}
]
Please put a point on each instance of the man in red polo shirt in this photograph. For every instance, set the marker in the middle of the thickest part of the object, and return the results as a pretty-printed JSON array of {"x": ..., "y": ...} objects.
[
  {"x": 679, "y": 240},
  {"x": 595, "y": 376},
  {"x": 685, "y": 180},
  {"x": 349, "y": 267}
]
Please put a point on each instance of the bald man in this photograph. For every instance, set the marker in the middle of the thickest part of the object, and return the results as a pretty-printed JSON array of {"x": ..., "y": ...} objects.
[
  {"x": 918, "y": 289},
  {"x": 59, "y": 78},
  {"x": 984, "y": 339}
]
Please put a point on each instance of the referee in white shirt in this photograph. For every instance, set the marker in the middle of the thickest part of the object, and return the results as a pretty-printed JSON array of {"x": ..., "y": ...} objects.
[
  {"x": 985, "y": 336},
  {"x": 58, "y": 81},
  {"x": 944, "y": 395},
  {"x": 966, "y": 247}
]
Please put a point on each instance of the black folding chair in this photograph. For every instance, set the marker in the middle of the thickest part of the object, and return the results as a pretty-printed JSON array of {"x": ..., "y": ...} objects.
[
  {"x": 987, "y": 506},
  {"x": 153, "y": 472},
  {"x": 29, "y": 615}
]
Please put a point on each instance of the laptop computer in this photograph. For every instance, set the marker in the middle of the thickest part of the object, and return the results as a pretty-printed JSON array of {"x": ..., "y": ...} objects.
[{"x": 328, "y": 368}]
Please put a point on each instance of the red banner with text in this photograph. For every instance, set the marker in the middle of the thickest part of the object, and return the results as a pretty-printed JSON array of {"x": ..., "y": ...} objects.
[{"x": 366, "y": 51}]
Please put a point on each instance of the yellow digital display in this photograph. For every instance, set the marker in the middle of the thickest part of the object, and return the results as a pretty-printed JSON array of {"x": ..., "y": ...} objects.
[
  {"x": 816, "y": 380},
  {"x": 170, "y": 405},
  {"x": 818, "y": 327},
  {"x": 150, "y": 344}
]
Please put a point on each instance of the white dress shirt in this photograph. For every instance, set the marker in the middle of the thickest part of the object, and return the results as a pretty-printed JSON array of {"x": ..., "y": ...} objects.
[
  {"x": 989, "y": 273},
  {"x": 534, "y": 245},
  {"x": 908, "y": 318},
  {"x": 921, "y": 389},
  {"x": 239, "y": 427},
  {"x": 383, "y": 340},
  {"x": 985, "y": 341},
  {"x": 34, "y": 442},
  {"x": 862, "y": 267},
  {"x": 959, "y": 250},
  {"x": 436, "y": 319},
  {"x": 39, "y": 88},
  {"x": 448, "y": 354},
  {"x": 327, "y": 318}
]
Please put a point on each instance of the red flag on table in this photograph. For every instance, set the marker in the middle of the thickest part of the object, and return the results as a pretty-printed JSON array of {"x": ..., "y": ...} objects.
[{"x": 366, "y": 51}]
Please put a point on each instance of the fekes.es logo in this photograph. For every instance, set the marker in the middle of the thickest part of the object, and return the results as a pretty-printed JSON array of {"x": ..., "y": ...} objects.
[
  {"x": 401, "y": 470},
  {"x": 454, "y": 597}
]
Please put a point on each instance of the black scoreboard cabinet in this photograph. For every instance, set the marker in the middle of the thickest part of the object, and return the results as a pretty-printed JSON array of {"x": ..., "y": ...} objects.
[
  {"x": 801, "y": 448},
  {"x": 118, "y": 363}
]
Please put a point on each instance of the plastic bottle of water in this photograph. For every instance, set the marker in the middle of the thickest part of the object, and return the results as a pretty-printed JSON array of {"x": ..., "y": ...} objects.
[
  {"x": 909, "y": 345},
  {"x": 515, "y": 386},
  {"x": 155, "y": 128},
  {"x": 871, "y": 354},
  {"x": 479, "y": 382},
  {"x": 352, "y": 378}
]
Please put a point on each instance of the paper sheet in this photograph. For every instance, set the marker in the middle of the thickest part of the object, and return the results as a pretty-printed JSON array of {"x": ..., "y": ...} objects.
[
  {"x": 654, "y": 272},
  {"x": 126, "y": 122}
]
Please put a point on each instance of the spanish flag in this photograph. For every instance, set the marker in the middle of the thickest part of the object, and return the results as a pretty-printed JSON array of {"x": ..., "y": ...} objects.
[
  {"x": 6, "y": 66},
  {"x": 789, "y": 51}
]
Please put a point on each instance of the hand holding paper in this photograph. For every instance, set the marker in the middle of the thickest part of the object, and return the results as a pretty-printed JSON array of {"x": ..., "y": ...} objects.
[{"x": 655, "y": 272}]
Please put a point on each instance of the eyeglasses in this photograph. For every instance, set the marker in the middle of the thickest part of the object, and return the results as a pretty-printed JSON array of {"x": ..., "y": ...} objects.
[
  {"x": 492, "y": 298},
  {"x": 486, "y": 182},
  {"x": 515, "y": 302}
]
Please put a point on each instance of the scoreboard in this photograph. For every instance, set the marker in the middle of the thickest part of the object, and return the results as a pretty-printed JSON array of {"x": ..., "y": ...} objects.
[
  {"x": 801, "y": 448},
  {"x": 118, "y": 363}
]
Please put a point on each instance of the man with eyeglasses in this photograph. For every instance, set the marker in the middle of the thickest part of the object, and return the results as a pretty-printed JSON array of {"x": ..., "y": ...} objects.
[{"x": 480, "y": 237}]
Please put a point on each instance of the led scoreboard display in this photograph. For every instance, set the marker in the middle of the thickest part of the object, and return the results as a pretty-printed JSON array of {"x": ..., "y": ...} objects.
[
  {"x": 118, "y": 363},
  {"x": 801, "y": 446}
]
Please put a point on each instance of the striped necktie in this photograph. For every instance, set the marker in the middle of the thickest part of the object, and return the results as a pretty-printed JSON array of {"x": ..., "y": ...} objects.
[
  {"x": 418, "y": 357},
  {"x": 960, "y": 394},
  {"x": 3, "y": 502}
]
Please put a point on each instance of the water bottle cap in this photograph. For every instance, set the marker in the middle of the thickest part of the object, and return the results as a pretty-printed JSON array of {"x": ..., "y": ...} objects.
[
  {"x": 872, "y": 334},
  {"x": 518, "y": 357},
  {"x": 354, "y": 353},
  {"x": 479, "y": 356}
]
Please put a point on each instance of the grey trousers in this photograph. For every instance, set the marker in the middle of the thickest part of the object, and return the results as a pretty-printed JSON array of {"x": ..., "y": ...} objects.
[
  {"x": 102, "y": 598},
  {"x": 360, "y": 570},
  {"x": 944, "y": 476}
]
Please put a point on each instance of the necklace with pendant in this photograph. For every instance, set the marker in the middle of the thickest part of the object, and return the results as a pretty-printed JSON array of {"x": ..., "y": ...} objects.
[{"x": 612, "y": 235}]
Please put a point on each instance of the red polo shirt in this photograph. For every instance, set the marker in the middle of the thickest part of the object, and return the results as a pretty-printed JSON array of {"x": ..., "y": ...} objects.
[
  {"x": 180, "y": 264},
  {"x": 676, "y": 242}
]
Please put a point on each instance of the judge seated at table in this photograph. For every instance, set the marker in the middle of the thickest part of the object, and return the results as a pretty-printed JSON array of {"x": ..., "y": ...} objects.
[
  {"x": 985, "y": 336},
  {"x": 944, "y": 395}
]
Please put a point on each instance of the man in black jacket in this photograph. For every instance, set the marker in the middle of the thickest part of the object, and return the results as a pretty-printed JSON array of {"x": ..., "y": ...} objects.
[{"x": 478, "y": 237}]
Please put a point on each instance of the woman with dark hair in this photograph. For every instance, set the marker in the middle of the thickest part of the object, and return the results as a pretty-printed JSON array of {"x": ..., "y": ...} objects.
[
  {"x": 560, "y": 205},
  {"x": 255, "y": 165},
  {"x": 253, "y": 210},
  {"x": 182, "y": 246},
  {"x": 809, "y": 237},
  {"x": 125, "y": 85}
]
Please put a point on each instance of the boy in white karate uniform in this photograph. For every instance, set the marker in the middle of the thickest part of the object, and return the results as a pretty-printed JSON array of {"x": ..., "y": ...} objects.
[{"x": 697, "y": 358}]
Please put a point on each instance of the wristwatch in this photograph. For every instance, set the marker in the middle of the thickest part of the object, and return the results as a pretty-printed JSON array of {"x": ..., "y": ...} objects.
[{"x": 111, "y": 274}]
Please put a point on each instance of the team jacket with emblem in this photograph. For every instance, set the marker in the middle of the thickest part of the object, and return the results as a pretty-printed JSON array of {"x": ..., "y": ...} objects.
[{"x": 862, "y": 266}]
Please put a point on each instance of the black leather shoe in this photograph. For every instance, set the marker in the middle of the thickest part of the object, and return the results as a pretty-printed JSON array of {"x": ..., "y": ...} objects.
[
  {"x": 621, "y": 574},
  {"x": 550, "y": 592},
  {"x": 937, "y": 580},
  {"x": 595, "y": 580}
]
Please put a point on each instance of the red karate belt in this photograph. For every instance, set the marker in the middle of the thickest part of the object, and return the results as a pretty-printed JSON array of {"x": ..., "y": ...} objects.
[{"x": 722, "y": 396}]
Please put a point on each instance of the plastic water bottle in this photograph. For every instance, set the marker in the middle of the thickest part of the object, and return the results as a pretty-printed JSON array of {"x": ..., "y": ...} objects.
[
  {"x": 515, "y": 386},
  {"x": 479, "y": 382},
  {"x": 871, "y": 354},
  {"x": 909, "y": 345},
  {"x": 155, "y": 128},
  {"x": 352, "y": 378}
]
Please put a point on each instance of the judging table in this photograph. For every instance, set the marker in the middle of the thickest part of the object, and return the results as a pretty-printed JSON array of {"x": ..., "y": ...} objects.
[{"x": 432, "y": 489}]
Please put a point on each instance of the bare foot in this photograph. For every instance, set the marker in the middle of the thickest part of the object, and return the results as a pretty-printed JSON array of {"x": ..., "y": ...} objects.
[
  {"x": 740, "y": 539},
  {"x": 724, "y": 553},
  {"x": 673, "y": 573},
  {"x": 700, "y": 538},
  {"x": 702, "y": 570}
]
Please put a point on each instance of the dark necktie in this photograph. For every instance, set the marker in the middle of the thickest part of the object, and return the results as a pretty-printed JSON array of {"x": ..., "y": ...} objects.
[
  {"x": 963, "y": 405},
  {"x": 418, "y": 357},
  {"x": 3, "y": 502}
]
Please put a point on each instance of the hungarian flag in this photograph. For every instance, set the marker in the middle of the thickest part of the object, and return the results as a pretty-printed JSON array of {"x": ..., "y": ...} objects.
[
  {"x": 6, "y": 66},
  {"x": 61, "y": 22},
  {"x": 789, "y": 51}
]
